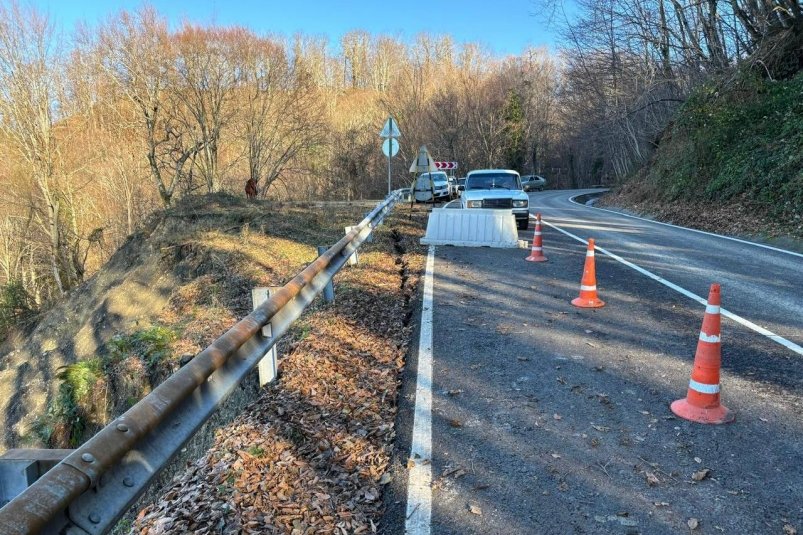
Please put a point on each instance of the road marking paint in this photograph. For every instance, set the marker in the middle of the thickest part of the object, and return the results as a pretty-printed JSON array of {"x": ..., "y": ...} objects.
[
  {"x": 738, "y": 319},
  {"x": 419, "y": 483},
  {"x": 770, "y": 247},
  {"x": 703, "y": 388}
]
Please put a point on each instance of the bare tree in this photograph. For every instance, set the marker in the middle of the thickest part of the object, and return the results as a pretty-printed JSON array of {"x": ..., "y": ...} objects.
[
  {"x": 139, "y": 57},
  {"x": 30, "y": 91},
  {"x": 282, "y": 116},
  {"x": 207, "y": 67}
]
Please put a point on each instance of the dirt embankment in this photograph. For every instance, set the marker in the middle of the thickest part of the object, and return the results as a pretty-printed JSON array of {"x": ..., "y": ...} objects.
[
  {"x": 730, "y": 162},
  {"x": 164, "y": 296},
  {"x": 737, "y": 217}
]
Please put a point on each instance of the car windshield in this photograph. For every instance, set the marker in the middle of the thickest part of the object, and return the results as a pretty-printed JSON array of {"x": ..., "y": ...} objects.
[
  {"x": 492, "y": 181},
  {"x": 438, "y": 178}
]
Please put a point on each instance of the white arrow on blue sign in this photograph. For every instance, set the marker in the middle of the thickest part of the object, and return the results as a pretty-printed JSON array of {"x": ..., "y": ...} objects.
[{"x": 390, "y": 147}]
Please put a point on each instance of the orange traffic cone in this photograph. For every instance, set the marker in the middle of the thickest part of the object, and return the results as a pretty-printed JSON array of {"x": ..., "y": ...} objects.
[
  {"x": 537, "y": 252},
  {"x": 588, "y": 285},
  {"x": 702, "y": 400}
]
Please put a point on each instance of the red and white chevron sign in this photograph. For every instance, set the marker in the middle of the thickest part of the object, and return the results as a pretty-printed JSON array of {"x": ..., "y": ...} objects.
[{"x": 446, "y": 165}]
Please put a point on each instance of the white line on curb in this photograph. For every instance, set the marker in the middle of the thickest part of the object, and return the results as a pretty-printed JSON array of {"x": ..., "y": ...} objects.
[
  {"x": 777, "y": 249},
  {"x": 738, "y": 319},
  {"x": 419, "y": 484}
]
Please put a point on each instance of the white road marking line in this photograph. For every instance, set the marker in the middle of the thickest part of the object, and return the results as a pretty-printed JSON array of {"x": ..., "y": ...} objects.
[
  {"x": 419, "y": 483},
  {"x": 571, "y": 199},
  {"x": 738, "y": 319}
]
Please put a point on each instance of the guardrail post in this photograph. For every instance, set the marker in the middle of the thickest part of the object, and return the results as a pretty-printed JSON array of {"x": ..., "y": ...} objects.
[
  {"x": 329, "y": 289},
  {"x": 267, "y": 366},
  {"x": 354, "y": 258},
  {"x": 19, "y": 468},
  {"x": 370, "y": 238}
]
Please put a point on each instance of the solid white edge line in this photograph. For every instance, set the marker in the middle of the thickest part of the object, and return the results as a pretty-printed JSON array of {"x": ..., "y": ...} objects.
[
  {"x": 419, "y": 483},
  {"x": 738, "y": 319},
  {"x": 770, "y": 247}
]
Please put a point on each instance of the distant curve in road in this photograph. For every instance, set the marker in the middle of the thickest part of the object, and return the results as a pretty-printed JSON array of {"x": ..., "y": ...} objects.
[{"x": 759, "y": 284}]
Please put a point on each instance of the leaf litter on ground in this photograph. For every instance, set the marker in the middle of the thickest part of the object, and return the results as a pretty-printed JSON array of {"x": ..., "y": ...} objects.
[{"x": 312, "y": 454}]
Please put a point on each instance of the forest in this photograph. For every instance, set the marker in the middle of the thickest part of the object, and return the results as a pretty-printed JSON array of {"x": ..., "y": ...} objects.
[{"x": 102, "y": 125}]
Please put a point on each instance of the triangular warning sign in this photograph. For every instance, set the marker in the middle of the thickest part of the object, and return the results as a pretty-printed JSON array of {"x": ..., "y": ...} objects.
[
  {"x": 423, "y": 162},
  {"x": 391, "y": 129}
]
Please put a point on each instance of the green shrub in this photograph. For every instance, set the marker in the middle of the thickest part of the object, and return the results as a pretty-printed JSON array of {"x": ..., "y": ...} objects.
[
  {"x": 89, "y": 390},
  {"x": 152, "y": 345},
  {"x": 81, "y": 400},
  {"x": 745, "y": 139}
]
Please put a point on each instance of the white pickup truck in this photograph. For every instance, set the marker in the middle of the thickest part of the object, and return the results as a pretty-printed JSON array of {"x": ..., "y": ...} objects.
[{"x": 497, "y": 188}]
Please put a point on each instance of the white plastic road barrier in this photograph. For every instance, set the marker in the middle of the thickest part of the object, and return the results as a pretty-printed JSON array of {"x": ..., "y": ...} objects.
[{"x": 471, "y": 227}]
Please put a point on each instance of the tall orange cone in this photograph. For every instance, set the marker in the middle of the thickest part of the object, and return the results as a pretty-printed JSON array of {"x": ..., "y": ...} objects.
[
  {"x": 702, "y": 400},
  {"x": 537, "y": 252},
  {"x": 588, "y": 285}
]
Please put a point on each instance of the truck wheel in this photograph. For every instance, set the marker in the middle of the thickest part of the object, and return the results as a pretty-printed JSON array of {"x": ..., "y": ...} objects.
[{"x": 522, "y": 224}]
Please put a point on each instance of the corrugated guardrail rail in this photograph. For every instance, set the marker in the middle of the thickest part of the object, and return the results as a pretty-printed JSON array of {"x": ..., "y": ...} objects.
[{"x": 94, "y": 486}]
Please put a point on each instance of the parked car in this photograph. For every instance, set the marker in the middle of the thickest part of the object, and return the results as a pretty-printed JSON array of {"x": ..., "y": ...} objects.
[
  {"x": 429, "y": 185},
  {"x": 497, "y": 189},
  {"x": 461, "y": 186},
  {"x": 453, "y": 193},
  {"x": 533, "y": 182}
]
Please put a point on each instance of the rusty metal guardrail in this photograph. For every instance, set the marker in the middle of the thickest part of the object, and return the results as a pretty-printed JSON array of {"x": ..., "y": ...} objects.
[{"x": 94, "y": 486}]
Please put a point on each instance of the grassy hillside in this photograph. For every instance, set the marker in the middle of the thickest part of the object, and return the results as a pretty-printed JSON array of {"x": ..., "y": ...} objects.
[{"x": 734, "y": 150}]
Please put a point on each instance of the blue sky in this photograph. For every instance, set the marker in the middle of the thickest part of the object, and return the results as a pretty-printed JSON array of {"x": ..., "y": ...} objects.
[{"x": 505, "y": 26}]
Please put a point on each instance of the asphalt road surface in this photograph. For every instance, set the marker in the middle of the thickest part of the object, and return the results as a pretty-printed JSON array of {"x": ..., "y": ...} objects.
[{"x": 548, "y": 419}]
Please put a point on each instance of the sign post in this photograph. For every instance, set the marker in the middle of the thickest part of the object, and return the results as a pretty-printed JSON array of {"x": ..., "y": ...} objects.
[{"x": 391, "y": 145}]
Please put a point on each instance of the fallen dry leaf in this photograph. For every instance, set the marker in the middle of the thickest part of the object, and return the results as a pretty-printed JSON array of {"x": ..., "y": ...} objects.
[
  {"x": 693, "y": 523},
  {"x": 557, "y": 416},
  {"x": 454, "y": 392},
  {"x": 523, "y": 359},
  {"x": 652, "y": 479},
  {"x": 454, "y": 422},
  {"x": 601, "y": 428},
  {"x": 789, "y": 529},
  {"x": 475, "y": 508},
  {"x": 701, "y": 474},
  {"x": 311, "y": 453}
]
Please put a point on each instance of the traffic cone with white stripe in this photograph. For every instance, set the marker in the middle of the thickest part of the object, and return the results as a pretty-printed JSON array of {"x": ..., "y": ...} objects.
[
  {"x": 702, "y": 400},
  {"x": 588, "y": 285},
  {"x": 537, "y": 252}
]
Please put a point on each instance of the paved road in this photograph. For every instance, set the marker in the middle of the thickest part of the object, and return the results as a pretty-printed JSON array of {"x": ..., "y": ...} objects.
[
  {"x": 547, "y": 419},
  {"x": 761, "y": 285}
]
